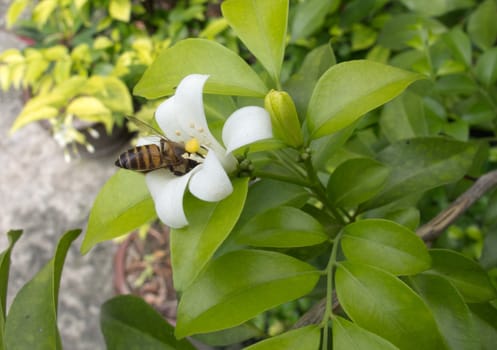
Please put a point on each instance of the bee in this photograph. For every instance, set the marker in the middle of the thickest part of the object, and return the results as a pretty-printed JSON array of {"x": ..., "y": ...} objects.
[{"x": 168, "y": 154}]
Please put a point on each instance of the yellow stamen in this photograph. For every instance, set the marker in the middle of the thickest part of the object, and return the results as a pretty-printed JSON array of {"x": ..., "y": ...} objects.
[{"x": 192, "y": 145}]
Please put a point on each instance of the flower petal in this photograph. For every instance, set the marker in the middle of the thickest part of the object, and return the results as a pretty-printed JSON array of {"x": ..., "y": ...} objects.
[
  {"x": 246, "y": 125},
  {"x": 167, "y": 190},
  {"x": 182, "y": 117},
  {"x": 210, "y": 182}
]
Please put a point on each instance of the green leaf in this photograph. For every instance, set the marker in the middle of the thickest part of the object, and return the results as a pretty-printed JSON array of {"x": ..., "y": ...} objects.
[
  {"x": 261, "y": 25},
  {"x": 229, "y": 74},
  {"x": 466, "y": 275},
  {"x": 209, "y": 225},
  {"x": 404, "y": 29},
  {"x": 128, "y": 322},
  {"x": 231, "y": 336},
  {"x": 219, "y": 297},
  {"x": 349, "y": 90},
  {"x": 32, "y": 319},
  {"x": 282, "y": 227},
  {"x": 120, "y": 9},
  {"x": 404, "y": 118},
  {"x": 436, "y": 7},
  {"x": 460, "y": 45},
  {"x": 13, "y": 235},
  {"x": 309, "y": 17},
  {"x": 451, "y": 313},
  {"x": 380, "y": 303},
  {"x": 301, "y": 84},
  {"x": 488, "y": 257},
  {"x": 122, "y": 205},
  {"x": 482, "y": 27},
  {"x": 387, "y": 245},
  {"x": 349, "y": 336},
  {"x": 486, "y": 67},
  {"x": 325, "y": 148},
  {"x": 355, "y": 181},
  {"x": 420, "y": 164},
  {"x": 307, "y": 338},
  {"x": 268, "y": 194},
  {"x": 485, "y": 317}
]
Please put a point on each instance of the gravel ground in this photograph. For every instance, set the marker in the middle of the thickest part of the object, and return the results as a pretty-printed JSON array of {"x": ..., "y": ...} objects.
[{"x": 45, "y": 196}]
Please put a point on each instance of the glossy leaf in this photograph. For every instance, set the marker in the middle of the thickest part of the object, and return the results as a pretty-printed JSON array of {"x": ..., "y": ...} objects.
[
  {"x": 451, "y": 313},
  {"x": 268, "y": 194},
  {"x": 209, "y": 225},
  {"x": 486, "y": 67},
  {"x": 482, "y": 27},
  {"x": 122, "y": 205},
  {"x": 301, "y": 84},
  {"x": 401, "y": 30},
  {"x": 436, "y": 7},
  {"x": 32, "y": 318},
  {"x": 408, "y": 217},
  {"x": 349, "y": 90},
  {"x": 261, "y": 25},
  {"x": 460, "y": 45},
  {"x": 310, "y": 16},
  {"x": 355, "y": 181},
  {"x": 218, "y": 298},
  {"x": 404, "y": 118},
  {"x": 229, "y": 74},
  {"x": 420, "y": 164},
  {"x": 13, "y": 236},
  {"x": 302, "y": 338},
  {"x": 230, "y": 336},
  {"x": 387, "y": 245},
  {"x": 349, "y": 336},
  {"x": 485, "y": 318},
  {"x": 128, "y": 322},
  {"x": 282, "y": 227},
  {"x": 466, "y": 275},
  {"x": 380, "y": 303}
]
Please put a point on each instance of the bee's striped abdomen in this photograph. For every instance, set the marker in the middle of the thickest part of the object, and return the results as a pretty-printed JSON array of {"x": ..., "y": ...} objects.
[{"x": 141, "y": 158}]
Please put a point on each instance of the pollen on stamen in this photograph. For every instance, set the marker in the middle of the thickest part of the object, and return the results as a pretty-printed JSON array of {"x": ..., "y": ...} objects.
[
  {"x": 192, "y": 145},
  {"x": 200, "y": 129},
  {"x": 192, "y": 125},
  {"x": 178, "y": 133}
]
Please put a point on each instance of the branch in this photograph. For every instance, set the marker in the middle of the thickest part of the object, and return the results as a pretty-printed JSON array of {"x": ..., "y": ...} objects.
[
  {"x": 428, "y": 232},
  {"x": 434, "y": 228}
]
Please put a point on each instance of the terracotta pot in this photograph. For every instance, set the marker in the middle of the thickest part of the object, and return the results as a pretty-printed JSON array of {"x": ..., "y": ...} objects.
[{"x": 142, "y": 267}]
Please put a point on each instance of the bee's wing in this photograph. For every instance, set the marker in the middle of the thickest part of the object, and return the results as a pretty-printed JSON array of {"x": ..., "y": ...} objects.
[{"x": 147, "y": 128}]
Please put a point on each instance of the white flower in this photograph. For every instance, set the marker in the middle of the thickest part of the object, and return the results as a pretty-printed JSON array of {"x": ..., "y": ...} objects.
[{"x": 182, "y": 119}]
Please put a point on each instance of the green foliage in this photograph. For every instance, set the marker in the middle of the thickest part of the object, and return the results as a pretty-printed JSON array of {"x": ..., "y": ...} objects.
[
  {"x": 226, "y": 70},
  {"x": 367, "y": 149},
  {"x": 362, "y": 291},
  {"x": 32, "y": 318},
  {"x": 270, "y": 279},
  {"x": 128, "y": 322},
  {"x": 210, "y": 224},
  {"x": 336, "y": 103},
  {"x": 117, "y": 211}
]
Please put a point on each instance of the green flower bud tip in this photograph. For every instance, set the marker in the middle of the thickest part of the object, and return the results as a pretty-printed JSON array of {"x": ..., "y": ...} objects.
[{"x": 284, "y": 118}]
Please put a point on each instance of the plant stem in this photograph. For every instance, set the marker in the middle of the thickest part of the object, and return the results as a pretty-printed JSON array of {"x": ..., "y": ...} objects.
[{"x": 328, "y": 311}]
